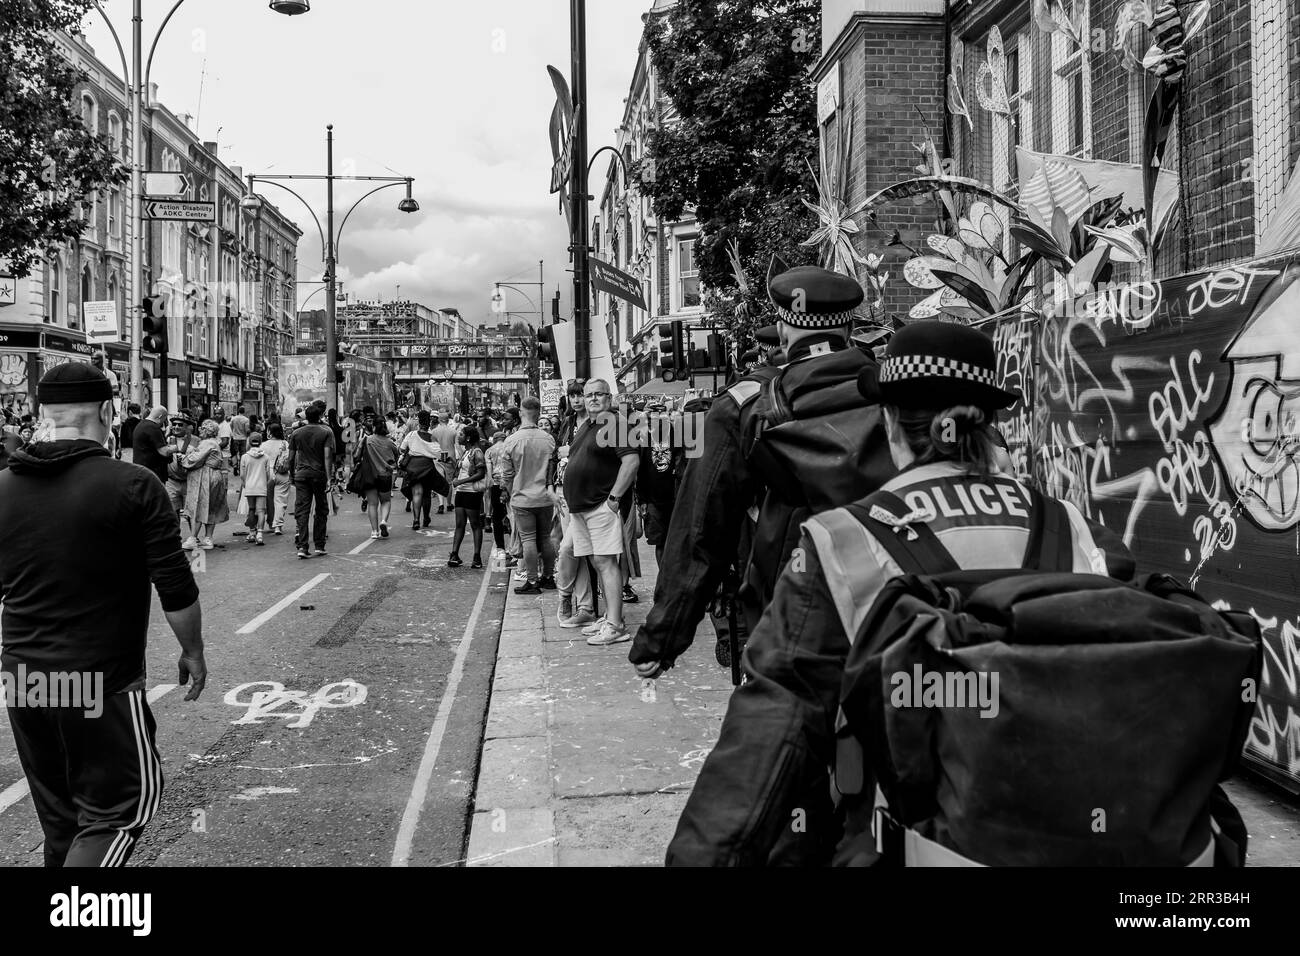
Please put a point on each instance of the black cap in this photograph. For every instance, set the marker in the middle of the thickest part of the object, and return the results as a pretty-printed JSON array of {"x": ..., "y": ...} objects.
[
  {"x": 810, "y": 297},
  {"x": 938, "y": 365},
  {"x": 74, "y": 383}
]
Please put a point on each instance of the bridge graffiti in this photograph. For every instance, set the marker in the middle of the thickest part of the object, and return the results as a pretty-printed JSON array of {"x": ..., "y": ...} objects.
[{"x": 1170, "y": 413}]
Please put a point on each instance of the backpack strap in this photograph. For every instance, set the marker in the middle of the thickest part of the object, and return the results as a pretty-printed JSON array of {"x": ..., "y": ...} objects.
[
  {"x": 911, "y": 543},
  {"x": 1051, "y": 543}
]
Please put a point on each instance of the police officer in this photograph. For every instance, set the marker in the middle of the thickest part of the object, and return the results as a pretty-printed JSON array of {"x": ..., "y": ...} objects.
[
  {"x": 720, "y": 489},
  {"x": 937, "y": 387}
]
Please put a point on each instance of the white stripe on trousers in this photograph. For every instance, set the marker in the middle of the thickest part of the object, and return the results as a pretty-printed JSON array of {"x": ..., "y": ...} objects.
[{"x": 150, "y": 783}]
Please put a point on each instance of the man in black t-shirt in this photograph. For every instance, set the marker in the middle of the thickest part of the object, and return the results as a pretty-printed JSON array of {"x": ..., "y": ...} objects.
[
  {"x": 149, "y": 445},
  {"x": 597, "y": 480},
  {"x": 311, "y": 462}
]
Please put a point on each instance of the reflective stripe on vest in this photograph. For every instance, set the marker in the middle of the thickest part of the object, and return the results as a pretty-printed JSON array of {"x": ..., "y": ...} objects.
[
  {"x": 848, "y": 553},
  {"x": 742, "y": 393}
]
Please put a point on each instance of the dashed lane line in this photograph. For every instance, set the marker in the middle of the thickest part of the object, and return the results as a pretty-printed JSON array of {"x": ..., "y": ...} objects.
[{"x": 280, "y": 605}]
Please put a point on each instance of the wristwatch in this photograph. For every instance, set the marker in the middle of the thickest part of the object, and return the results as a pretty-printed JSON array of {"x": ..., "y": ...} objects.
[{"x": 616, "y": 499}]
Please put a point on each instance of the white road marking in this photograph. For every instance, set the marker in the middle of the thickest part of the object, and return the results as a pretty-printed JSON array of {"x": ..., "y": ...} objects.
[
  {"x": 16, "y": 791},
  {"x": 363, "y": 545},
  {"x": 411, "y": 817},
  {"x": 280, "y": 605}
]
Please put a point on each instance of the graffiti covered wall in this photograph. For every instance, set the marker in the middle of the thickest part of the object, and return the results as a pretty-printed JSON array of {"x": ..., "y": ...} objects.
[{"x": 1170, "y": 412}]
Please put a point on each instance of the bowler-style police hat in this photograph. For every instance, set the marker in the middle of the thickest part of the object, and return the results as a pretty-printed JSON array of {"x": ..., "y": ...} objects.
[
  {"x": 810, "y": 297},
  {"x": 937, "y": 365}
]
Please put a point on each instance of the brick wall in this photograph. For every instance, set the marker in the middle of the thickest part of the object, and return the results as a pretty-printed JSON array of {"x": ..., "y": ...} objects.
[
  {"x": 1216, "y": 134},
  {"x": 886, "y": 127}
]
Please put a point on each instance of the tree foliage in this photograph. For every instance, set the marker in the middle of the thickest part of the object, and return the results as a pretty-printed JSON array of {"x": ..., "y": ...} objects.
[
  {"x": 49, "y": 160},
  {"x": 742, "y": 132}
]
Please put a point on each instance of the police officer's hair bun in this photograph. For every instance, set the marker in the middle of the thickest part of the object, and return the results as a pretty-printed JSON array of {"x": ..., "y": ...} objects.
[{"x": 961, "y": 433}]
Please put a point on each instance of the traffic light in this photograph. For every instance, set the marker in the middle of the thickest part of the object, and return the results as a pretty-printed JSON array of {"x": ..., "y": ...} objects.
[
  {"x": 673, "y": 362},
  {"x": 154, "y": 312},
  {"x": 546, "y": 349}
]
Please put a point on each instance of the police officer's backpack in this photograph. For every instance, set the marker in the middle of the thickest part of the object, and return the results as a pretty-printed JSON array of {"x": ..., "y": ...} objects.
[
  {"x": 1116, "y": 710},
  {"x": 817, "y": 451}
]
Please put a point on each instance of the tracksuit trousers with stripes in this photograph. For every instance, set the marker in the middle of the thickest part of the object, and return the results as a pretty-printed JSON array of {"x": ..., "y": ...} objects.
[{"x": 96, "y": 781}]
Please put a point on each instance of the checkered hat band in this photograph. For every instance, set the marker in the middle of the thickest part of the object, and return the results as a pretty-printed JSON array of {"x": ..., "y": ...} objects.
[
  {"x": 811, "y": 320},
  {"x": 904, "y": 367}
]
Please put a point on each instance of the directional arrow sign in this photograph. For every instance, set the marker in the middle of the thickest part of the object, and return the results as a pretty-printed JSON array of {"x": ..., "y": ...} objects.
[
  {"x": 179, "y": 211},
  {"x": 166, "y": 184}
]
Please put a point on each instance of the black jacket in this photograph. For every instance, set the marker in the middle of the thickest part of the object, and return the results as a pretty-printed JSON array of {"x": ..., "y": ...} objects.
[{"x": 83, "y": 536}]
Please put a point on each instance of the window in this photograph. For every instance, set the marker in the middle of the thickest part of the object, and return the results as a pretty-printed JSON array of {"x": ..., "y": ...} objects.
[
  {"x": 89, "y": 113},
  {"x": 55, "y": 310},
  {"x": 1071, "y": 95},
  {"x": 115, "y": 133},
  {"x": 688, "y": 275},
  {"x": 115, "y": 214},
  {"x": 87, "y": 295}
]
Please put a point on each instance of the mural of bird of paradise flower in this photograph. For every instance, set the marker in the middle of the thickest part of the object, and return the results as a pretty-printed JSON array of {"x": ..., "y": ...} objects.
[
  {"x": 1051, "y": 16},
  {"x": 957, "y": 82}
]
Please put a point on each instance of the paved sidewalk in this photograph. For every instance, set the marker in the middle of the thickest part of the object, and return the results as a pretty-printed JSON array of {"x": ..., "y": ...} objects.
[{"x": 583, "y": 763}]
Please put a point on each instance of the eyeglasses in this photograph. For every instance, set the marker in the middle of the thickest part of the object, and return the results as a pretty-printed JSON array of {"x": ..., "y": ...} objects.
[{"x": 597, "y": 395}]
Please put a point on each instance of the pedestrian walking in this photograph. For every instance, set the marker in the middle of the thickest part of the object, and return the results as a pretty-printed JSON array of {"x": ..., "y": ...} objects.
[
  {"x": 444, "y": 434},
  {"x": 573, "y": 577},
  {"x": 280, "y": 479},
  {"x": 421, "y": 476},
  {"x": 376, "y": 461},
  {"x": 225, "y": 432},
  {"x": 150, "y": 446},
  {"x": 255, "y": 481},
  {"x": 126, "y": 435},
  {"x": 597, "y": 480},
  {"x": 311, "y": 462},
  {"x": 468, "y": 487},
  {"x": 182, "y": 442},
  {"x": 241, "y": 427},
  {"x": 84, "y": 537},
  {"x": 525, "y": 460},
  {"x": 206, "y": 485}
]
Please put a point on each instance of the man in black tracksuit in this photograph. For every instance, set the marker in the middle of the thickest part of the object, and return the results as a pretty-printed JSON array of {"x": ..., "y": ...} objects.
[{"x": 84, "y": 535}]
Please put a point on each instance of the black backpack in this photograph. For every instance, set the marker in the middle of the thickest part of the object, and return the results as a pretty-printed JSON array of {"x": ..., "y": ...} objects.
[
  {"x": 821, "y": 452},
  {"x": 1119, "y": 707}
]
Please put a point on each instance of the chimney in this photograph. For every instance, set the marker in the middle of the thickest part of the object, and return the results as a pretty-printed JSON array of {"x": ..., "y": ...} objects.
[
  {"x": 187, "y": 119},
  {"x": 153, "y": 94},
  {"x": 237, "y": 172}
]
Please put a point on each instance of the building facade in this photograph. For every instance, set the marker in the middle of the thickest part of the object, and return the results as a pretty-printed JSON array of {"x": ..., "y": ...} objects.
[
  {"x": 627, "y": 234},
  {"x": 212, "y": 274}
]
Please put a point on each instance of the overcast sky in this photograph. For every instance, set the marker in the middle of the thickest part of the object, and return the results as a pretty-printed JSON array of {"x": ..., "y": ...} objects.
[{"x": 451, "y": 92}]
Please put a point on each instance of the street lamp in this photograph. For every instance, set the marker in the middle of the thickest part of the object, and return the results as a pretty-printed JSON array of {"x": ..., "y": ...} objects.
[
  {"x": 329, "y": 238},
  {"x": 138, "y": 81}
]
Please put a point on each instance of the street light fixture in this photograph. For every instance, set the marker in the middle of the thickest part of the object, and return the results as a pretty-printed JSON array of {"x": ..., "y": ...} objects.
[
  {"x": 137, "y": 78},
  {"x": 330, "y": 239}
]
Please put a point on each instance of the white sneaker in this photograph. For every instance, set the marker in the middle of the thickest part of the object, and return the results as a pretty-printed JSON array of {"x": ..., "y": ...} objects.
[
  {"x": 374, "y": 534},
  {"x": 521, "y": 575},
  {"x": 609, "y": 634},
  {"x": 578, "y": 619},
  {"x": 594, "y": 627},
  {"x": 207, "y": 544},
  {"x": 190, "y": 543}
]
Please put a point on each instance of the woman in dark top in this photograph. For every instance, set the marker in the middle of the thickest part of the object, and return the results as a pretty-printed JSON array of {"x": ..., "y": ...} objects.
[
  {"x": 469, "y": 485},
  {"x": 376, "y": 459},
  {"x": 333, "y": 418}
]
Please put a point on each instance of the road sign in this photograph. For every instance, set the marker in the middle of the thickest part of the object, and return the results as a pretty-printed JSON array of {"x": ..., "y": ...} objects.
[
  {"x": 170, "y": 185},
  {"x": 170, "y": 209},
  {"x": 101, "y": 321}
]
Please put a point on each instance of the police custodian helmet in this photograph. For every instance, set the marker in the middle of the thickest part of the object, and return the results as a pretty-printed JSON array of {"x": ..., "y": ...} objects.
[
  {"x": 810, "y": 297},
  {"x": 937, "y": 365}
]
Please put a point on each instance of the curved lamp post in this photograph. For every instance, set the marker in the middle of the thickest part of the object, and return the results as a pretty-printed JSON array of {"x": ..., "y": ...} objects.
[
  {"x": 329, "y": 239},
  {"x": 137, "y": 83}
]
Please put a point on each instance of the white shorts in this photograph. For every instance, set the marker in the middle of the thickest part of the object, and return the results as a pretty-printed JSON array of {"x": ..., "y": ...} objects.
[{"x": 599, "y": 531}]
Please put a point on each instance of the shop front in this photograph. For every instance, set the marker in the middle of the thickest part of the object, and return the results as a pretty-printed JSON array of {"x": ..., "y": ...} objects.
[
  {"x": 230, "y": 392},
  {"x": 19, "y": 370},
  {"x": 254, "y": 395},
  {"x": 202, "y": 391}
]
